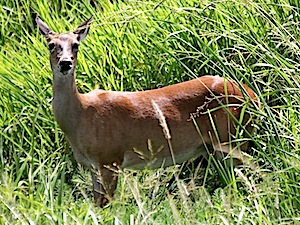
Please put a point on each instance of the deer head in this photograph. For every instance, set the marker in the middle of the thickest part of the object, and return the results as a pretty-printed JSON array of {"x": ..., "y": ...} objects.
[{"x": 63, "y": 47}]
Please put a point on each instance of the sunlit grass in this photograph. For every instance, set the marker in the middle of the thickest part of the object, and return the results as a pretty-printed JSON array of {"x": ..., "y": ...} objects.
[{"x": 136, "y": 45}]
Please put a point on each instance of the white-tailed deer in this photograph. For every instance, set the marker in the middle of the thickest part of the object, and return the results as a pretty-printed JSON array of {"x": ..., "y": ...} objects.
[{"x": 108, "y": 130}]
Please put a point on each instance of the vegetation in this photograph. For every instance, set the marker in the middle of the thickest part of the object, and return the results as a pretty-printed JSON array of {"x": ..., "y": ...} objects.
[{"x": 138, "y": 45}]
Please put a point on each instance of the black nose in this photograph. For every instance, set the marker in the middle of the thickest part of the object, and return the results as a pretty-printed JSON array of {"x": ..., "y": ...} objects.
[{"x": 65, "y": 65}]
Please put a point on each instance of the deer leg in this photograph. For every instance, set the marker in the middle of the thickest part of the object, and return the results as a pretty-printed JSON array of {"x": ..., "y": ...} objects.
[
  {"x": 224, "y": 150},
  {"x": 105, "y": 182}
]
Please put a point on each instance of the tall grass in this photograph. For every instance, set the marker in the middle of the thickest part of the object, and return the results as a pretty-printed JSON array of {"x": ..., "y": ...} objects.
[{"x": 137, "y": 45}]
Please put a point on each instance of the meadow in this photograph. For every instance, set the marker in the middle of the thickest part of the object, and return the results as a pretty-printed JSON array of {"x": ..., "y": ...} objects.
[{"x": 139, "y": 45}]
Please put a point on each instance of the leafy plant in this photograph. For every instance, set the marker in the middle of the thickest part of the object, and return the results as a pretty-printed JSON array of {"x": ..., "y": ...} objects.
[{"x": 138, "y": 45}]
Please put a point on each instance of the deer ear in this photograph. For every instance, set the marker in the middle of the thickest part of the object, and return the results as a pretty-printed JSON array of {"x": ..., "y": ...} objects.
[
  {"x": 83, "y": 29},
  {"x": 43, "y": 27}
]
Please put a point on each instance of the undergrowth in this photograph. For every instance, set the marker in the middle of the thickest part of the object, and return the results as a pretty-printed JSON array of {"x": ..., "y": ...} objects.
[{"x": 139, "y": 45}]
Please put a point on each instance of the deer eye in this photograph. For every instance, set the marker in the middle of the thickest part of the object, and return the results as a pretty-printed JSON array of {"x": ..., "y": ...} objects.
[
  {"x": 51, "y": 47},
  {"x": 75, "y": 46}
]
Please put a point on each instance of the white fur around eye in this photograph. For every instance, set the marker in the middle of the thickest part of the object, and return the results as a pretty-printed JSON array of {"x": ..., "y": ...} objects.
[
  {"x": 51, "y": 47},
  {"x": 75, "y": 46}
]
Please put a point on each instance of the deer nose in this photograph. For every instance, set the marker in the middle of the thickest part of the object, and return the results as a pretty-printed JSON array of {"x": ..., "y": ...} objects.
[{"x": 65, "y": 65}]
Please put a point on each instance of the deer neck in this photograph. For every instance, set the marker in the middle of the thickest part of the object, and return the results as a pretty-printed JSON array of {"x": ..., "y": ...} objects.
[{"x": 66, "y": 102}]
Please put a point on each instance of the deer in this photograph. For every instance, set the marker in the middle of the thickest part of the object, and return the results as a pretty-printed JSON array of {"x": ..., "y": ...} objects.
[{"x": 111, "y": 130}]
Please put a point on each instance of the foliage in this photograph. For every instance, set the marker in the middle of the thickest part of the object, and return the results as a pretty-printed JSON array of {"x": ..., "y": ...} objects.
[{"x": 138, "y": 45}]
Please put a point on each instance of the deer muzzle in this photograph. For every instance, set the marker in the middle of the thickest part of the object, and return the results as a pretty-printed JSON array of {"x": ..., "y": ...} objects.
[{"x": 65, "y": 65}]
